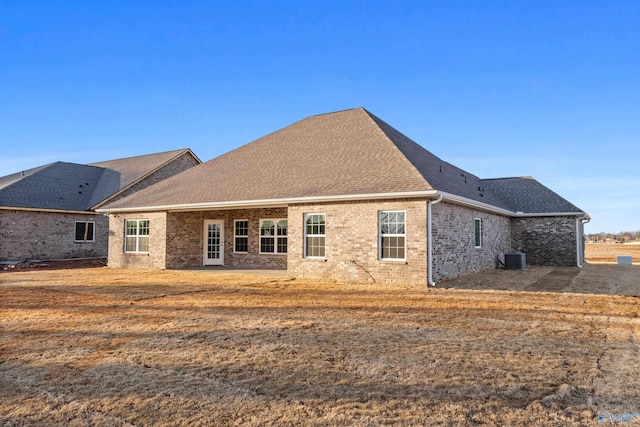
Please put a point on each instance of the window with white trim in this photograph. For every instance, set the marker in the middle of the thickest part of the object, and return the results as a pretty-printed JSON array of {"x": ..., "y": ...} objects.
[
  {"x": 477, "y": 228},
  {"x": 392, "y": 237},
  {"x": 84, "y": 231},
  {"x": 273, "y": 236},
  {"x": 314, "y": 235},
  {"x": 241, "y": 236},
  {"x": 136, "y": 236}
]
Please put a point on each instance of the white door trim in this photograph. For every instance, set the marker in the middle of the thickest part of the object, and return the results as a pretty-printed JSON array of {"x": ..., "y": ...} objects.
[{"x": 205, "y": 254}]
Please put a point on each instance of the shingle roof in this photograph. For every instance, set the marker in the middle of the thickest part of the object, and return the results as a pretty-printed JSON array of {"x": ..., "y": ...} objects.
[
  {"x": 526, "y": 195},
  {"x": 59, "y": 185},
  {"x": 350, "y": 152},
  {"x": 131, "y": 169},
  {"x": 72, "y": 186},
  {"x": 328, "y": 154}
]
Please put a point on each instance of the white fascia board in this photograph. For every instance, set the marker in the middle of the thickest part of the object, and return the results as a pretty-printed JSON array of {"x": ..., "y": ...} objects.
[
  {"x": 490, "y": 208},
  {"x": 475, "y": 204},
  {"x": 274, "y": 202},
  {"x": 271, "y": 203},
  {"x": 17, "y": 208},
  {"x": 531, "y": 215}
]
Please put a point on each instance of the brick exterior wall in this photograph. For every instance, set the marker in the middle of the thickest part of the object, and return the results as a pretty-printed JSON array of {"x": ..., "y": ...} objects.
[
  {"x": 351, "y": 245},
  {"x": 28, "y": 235},
  {"x": 185, "y": 235},
  {"x": 454, "y": 251},
  {"x": 178, "y": 165},
  {"x": 155, "y": 259},
  {"x": 546, "y": 240},
  {"x": 50, "y": 235},
  {"x": 352, "y": 235}
]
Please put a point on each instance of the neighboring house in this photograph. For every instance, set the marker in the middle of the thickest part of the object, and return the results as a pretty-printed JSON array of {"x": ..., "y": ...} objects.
[
  {"x": 342, "y": 196},
  {"x": 49, "y": 212}
]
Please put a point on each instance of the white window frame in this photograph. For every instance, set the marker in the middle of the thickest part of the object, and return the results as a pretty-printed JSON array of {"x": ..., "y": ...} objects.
[
  {"x": 235, "y": 236},
  {"x": 381, "y": 235},
  {"x": 477, "y": 232},
  {"x": 137, "y": 235},
  {"x": 275, "y": 236},
  {"x": 87, "y": 240},
  {"x": 307, "y": 235}
]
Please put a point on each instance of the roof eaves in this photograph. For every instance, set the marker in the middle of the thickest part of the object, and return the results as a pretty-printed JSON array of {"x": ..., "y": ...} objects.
[
  {"x": 20, "y": 208},
  {"x": 501, "y": 211},
  {"x": 274, "y": 202}
]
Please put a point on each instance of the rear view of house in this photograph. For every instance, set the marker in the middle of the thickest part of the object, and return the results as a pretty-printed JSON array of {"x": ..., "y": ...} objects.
[
  {"x": 49, "y": 212},
  {"x": 342, "y": 196}
]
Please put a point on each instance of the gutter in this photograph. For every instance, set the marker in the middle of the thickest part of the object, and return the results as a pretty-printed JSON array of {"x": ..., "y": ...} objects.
[
  {"x": 580, "y": 238},
  {"x": 430, "y": 280},
  {"x": 272, "y": 202},
  {"x": 68, "y": 211},
  {"x": 501, "y": 211}
]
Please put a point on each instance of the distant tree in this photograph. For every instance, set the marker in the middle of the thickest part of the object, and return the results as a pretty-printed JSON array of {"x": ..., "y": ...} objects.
[{"x": 621, "y": 237}]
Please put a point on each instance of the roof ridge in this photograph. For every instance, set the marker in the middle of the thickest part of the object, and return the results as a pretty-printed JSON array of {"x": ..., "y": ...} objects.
[
  {"x": 334, "y": 112},
  {"x": 375, "y": 121},
  {"x": 508, "y": 177},
  {"x": 140, "y": 156}
]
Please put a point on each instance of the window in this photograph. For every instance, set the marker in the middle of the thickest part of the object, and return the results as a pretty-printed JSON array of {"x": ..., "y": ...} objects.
[
  {"x": 392, "y": 235},
  {"x": 241, "y": 236},
  {"x": 85, "y": 231},
  {"x": 314, "y": 237},
  {"x": 478, "y": 232},
  {"x": 273, "y": 236},
  {"x": 136, "y": 236}
]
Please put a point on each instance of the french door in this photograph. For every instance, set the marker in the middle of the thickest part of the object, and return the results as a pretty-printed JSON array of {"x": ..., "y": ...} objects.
[{"x": 213, "y": 242}]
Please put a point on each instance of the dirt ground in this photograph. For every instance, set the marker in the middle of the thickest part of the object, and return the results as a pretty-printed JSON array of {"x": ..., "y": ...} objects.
[
  {"x": 608, "y": 253},
  {"x": 107, "y": 347}
]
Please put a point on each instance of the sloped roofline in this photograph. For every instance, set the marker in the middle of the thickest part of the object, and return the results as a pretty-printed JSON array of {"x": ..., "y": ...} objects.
[
  {"x": 122, "y": 190},
  {"x": 425, "y": 194},
  {"x": 439, "y": 178},
  {"x": 68, "y": 211}
]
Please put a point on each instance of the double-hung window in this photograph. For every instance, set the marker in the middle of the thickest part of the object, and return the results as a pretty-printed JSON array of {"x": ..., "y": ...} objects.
[
  {"x": 314, "y": 235},
  {"x": 84, "y": 231},
  {"x": 273, "y": 236},
  {"x": 477, "y": 227},
  {"x": 136, "y": 236},
  {"x": 241, "y": 236},
  {"x": 392, "y": 237}
]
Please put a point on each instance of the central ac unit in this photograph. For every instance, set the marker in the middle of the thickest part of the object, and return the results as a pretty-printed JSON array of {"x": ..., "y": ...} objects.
[{"x": 515, "y": 260}]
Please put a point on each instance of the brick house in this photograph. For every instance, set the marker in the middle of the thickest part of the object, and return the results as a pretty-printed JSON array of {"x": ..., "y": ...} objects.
[
  {"x": 49, "y": 213},
  {"x": 342, "y": 196}
]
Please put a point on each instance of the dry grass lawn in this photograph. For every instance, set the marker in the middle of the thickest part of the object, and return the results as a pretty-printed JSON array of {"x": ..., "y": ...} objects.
[
  {"x": 108, "y": 347},
  {"x": 608, "y": 253}
]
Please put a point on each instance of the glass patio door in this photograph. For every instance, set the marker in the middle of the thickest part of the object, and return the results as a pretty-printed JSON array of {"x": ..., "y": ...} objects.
[{"x": 213, "y": 242}]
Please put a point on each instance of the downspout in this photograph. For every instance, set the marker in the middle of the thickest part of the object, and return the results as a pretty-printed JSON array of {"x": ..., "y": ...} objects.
[
  {"x": 578, "y": 250},
  {"x": 580, "y": 238},
  {"x": 430, "y": 241}
]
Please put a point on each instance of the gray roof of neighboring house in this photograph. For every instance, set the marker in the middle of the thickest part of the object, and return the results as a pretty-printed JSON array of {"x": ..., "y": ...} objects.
[
  {"x": 350, "y": 152},
  {"x": 76, "y": 187}
]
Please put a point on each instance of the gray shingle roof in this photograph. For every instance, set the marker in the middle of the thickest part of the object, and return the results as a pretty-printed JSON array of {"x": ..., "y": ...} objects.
[
  {"x": 76, "y": 187},
  {"x": 350, "y": 152},
  {"x": 526, "y": 195},
  {"x": 60, "y": 185}
]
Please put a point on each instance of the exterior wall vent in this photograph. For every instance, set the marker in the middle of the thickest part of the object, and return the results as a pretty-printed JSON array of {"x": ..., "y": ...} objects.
[{"x": 515, "y": 260}]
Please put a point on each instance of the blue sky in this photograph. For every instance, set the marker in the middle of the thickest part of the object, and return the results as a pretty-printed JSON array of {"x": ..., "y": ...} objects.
[{"x": 549, "y": 89}]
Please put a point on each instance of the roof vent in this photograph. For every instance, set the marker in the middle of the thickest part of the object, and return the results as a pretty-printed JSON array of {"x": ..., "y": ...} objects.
[{"x": 515, "y": 260}]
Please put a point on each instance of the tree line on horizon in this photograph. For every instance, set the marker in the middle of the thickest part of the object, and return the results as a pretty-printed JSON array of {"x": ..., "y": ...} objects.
[{"x": 621, "y": 237}]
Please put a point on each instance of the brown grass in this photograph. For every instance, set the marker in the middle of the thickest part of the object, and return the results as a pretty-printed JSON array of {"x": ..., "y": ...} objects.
[
  {"x": 608, "y": 253},
  {"x": 110, "y": 347}
]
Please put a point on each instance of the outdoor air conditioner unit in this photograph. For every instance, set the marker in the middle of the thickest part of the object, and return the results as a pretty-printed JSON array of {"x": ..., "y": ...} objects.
[{"x": 515, "y": 260}]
